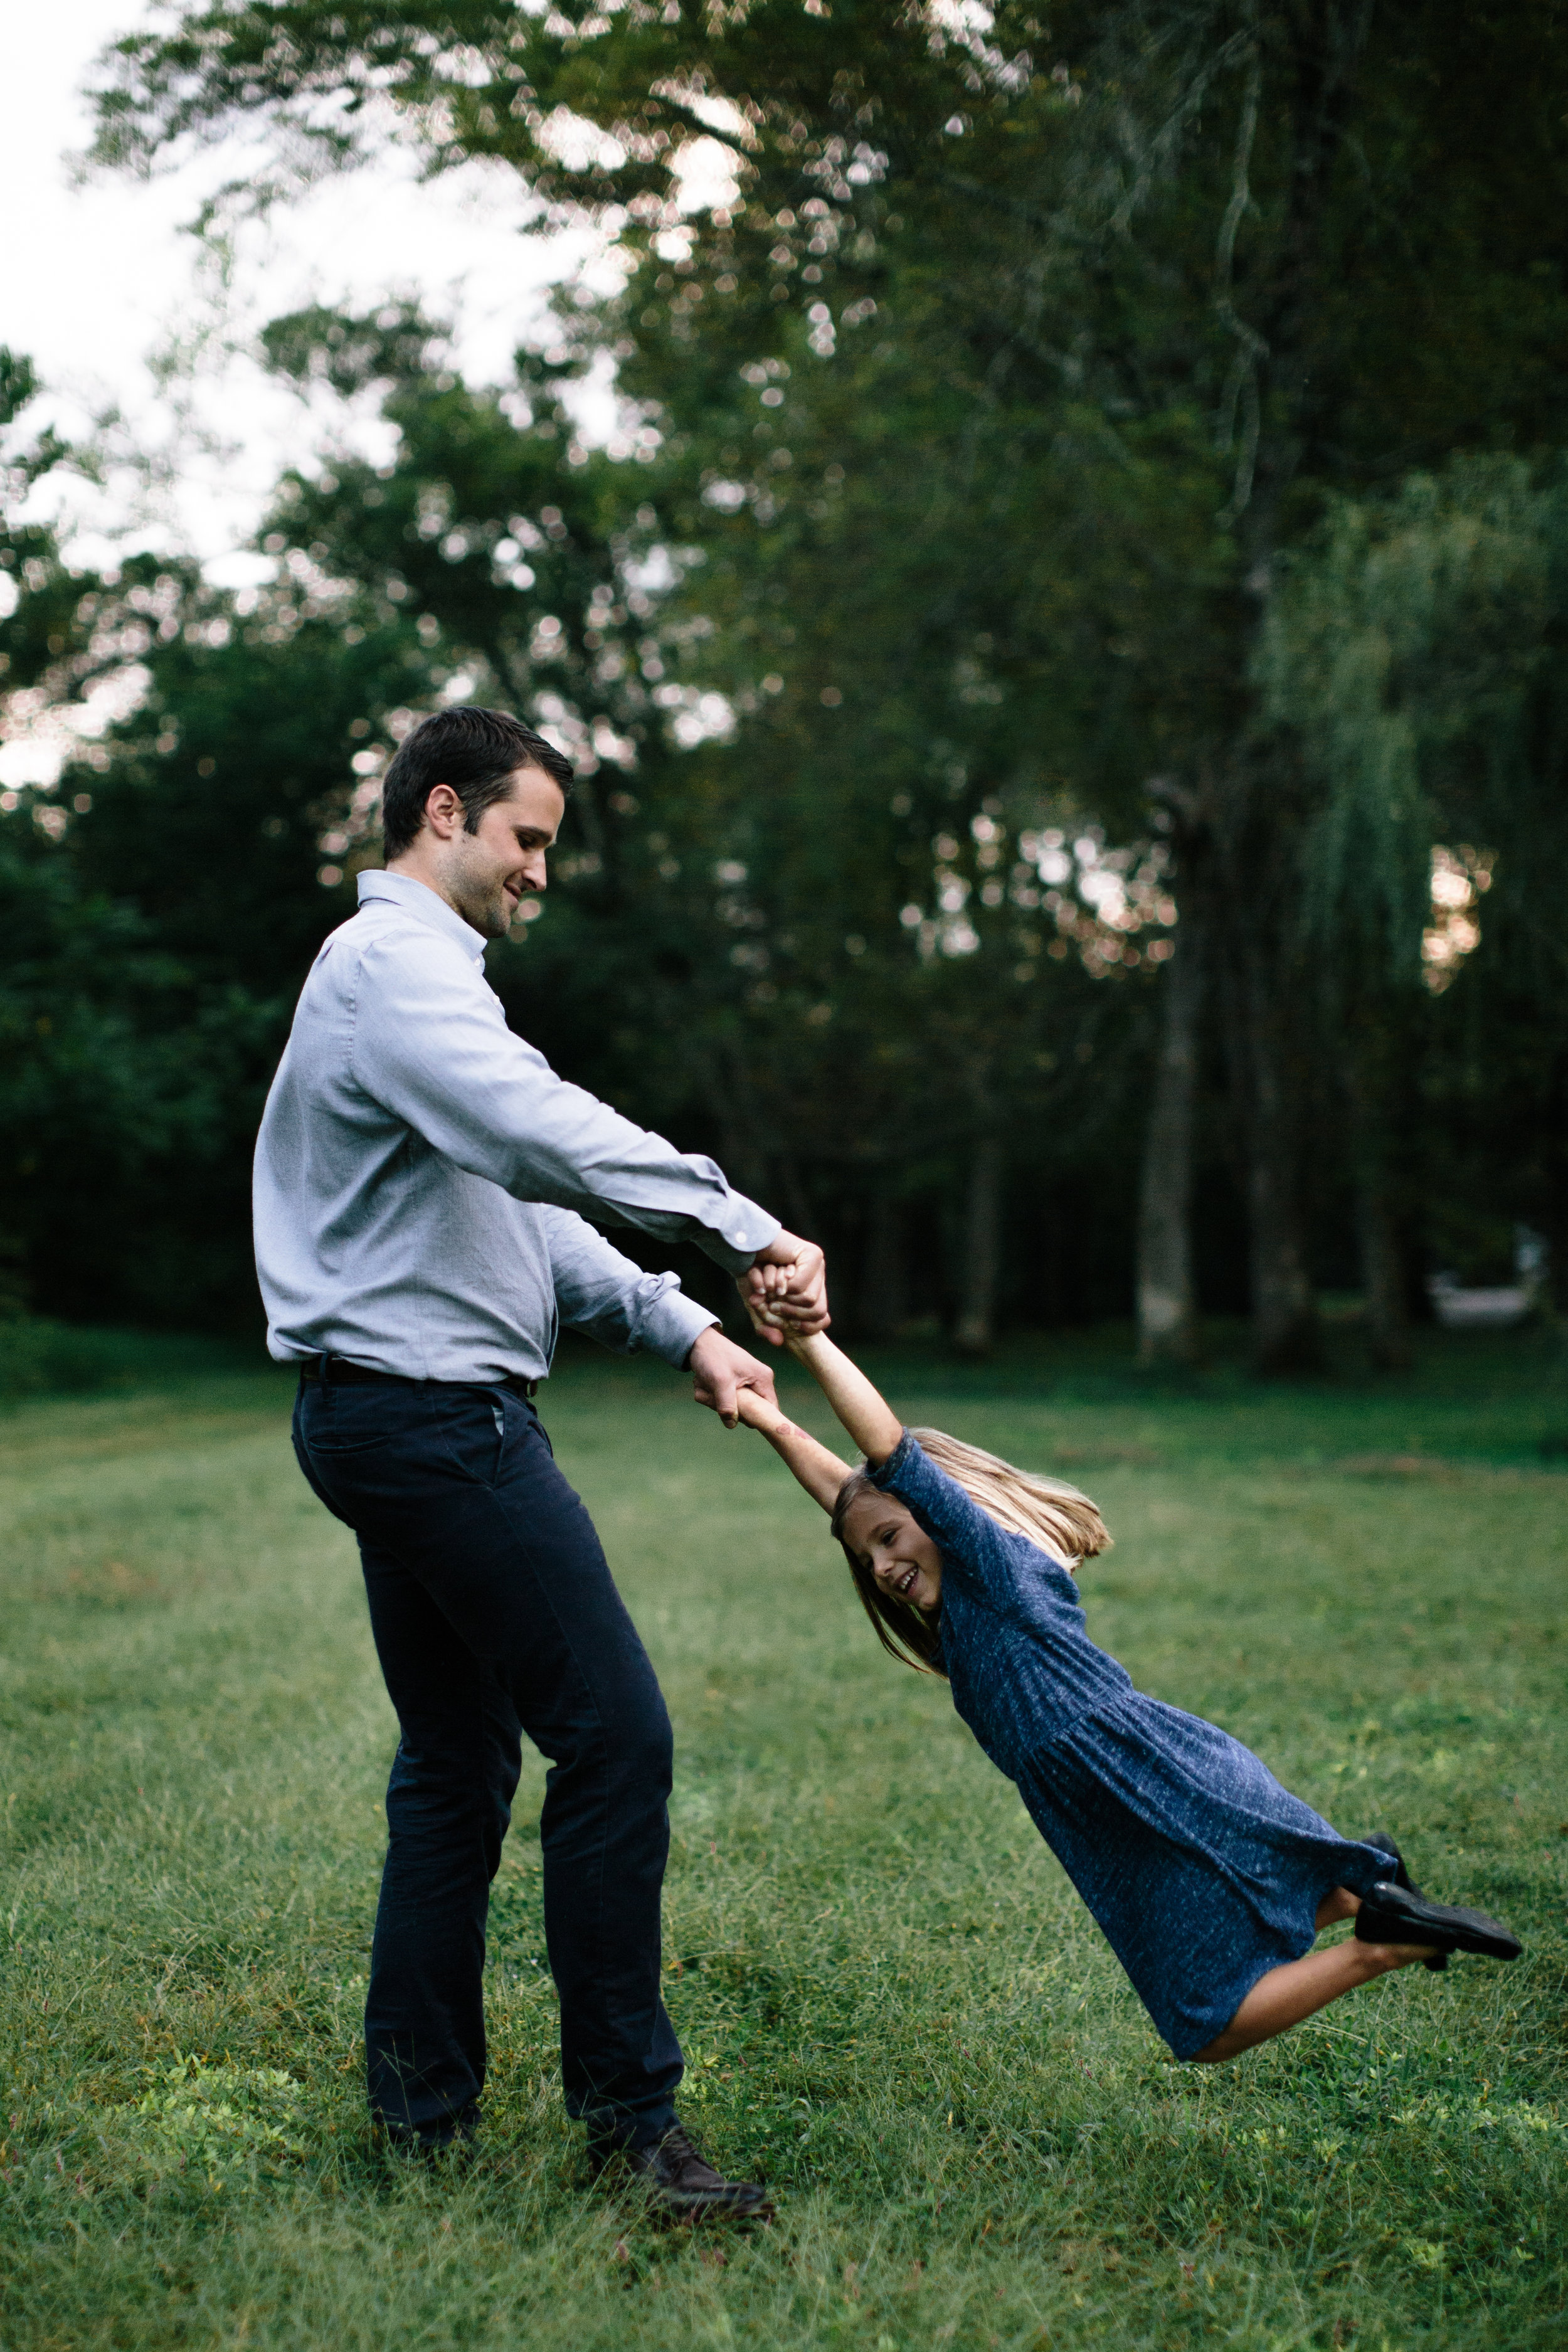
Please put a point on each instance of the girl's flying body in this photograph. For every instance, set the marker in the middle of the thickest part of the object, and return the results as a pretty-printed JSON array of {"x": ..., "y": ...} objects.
[{"x": 1209, "y": 1880}]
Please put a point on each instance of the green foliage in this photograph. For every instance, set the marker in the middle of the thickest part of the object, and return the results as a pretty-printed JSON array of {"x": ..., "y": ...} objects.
[
  {"x": 895, "y": 2008},
  {"x": 983, "y": 456},
  {"x": 46, "y": 609},
  {"x": 744, "y": 908},
  {"x": 158, "y": 941},
  {"x": 41, "y": 1357},
  {"x": 1416, "y": 648}
]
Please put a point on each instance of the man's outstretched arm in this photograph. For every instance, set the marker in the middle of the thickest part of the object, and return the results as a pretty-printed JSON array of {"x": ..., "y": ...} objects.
[
  {"x": 431, "y": 1045},
  {"x": 599, "y": 1291}
]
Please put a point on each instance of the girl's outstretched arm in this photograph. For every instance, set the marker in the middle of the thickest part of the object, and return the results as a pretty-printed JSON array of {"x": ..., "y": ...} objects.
[
  {"x": 819, "y": 1472},
  {"x": 864, "y": 1410}
]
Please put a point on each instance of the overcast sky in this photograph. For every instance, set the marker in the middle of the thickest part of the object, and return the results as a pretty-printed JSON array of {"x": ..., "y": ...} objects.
[
  {"x": 94, "y": 281},
  {"x": 99, "y": 280}
]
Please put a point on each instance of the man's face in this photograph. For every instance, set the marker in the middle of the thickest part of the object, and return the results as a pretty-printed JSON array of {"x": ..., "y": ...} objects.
[{"x": 488, "y": 872}]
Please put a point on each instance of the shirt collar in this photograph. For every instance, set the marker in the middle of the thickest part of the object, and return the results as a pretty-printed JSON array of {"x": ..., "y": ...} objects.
[{"x": 418, "y": 899}]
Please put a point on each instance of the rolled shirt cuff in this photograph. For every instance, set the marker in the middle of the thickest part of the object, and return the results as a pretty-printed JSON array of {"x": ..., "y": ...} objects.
[{"x": 671, "y": 1324}]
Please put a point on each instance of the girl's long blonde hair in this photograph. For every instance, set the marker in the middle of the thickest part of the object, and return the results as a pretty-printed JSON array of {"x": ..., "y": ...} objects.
[{"x": 1060, "y": 1518}]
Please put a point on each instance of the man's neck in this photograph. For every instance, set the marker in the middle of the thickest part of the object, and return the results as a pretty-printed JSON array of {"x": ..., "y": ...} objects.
[{"x": 412, "y": 868}]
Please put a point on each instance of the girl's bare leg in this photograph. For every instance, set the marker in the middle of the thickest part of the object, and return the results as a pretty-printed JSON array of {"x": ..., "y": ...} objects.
[
  {"x": 1286, "y": 1995},
  {"x": 1337, "y": 1903}
]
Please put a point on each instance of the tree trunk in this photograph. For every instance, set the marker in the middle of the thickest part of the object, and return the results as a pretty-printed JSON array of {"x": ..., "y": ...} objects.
[
  {"x": 1285, "y": 1333},
  {"x": 883, "y": 1303},
  {"x": 972, "y": 1332},
  {"x": 1167, "y": 1301},
  {"x": 1556, "y": 1290},
  {"x": 1280, "y": 410},
  {"x": 1381, "y": 1275},
  {"x": 1383, "y": 1271},
  {"x": 757, "y": 1158}
]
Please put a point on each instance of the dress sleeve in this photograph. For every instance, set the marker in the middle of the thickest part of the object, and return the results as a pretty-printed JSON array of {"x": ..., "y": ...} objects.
[{"x": 975, "y": 1551}]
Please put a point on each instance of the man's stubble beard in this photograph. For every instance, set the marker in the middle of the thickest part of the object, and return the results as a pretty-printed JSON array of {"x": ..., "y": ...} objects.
[{"x": 481, "y": 903}]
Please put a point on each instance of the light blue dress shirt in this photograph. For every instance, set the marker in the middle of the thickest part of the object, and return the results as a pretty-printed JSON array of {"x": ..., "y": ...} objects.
[{"x": 422, "y": 1174}]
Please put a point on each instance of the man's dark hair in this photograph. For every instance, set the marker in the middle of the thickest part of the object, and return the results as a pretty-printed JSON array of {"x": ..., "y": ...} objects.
[{"x": 477, "y": 753}]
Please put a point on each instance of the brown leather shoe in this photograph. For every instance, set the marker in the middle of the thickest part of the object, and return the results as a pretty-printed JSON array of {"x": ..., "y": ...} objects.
[{"x": 682, "y": 2185}]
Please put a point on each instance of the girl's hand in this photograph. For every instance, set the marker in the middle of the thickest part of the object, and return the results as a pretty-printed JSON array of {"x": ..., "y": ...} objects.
[
  {"x": 723, "y": 1373},
  {"x": 759, "y": 1413},
  {"x": 787, "y": 1287}
]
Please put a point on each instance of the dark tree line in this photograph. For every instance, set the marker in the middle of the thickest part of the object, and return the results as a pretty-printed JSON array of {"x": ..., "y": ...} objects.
[{"x": 1087, "y": 530}]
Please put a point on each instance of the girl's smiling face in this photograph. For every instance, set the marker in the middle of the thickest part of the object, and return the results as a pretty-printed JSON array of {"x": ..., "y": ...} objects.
[{"x": 899, "y": 1555}]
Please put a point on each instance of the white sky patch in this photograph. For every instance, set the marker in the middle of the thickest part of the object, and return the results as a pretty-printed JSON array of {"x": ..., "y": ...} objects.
[
  {"x": 127, "y": 317},
  {"x": 705, "y": 172},
  {"x": 96, "y": 279}
]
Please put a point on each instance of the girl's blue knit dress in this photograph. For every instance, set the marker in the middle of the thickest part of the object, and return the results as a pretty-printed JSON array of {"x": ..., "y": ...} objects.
[{"x": 1202, "y": 1870}]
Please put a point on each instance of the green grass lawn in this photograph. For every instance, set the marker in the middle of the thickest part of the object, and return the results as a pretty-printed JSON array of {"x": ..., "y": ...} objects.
[{"x": 894, "y": 2008}]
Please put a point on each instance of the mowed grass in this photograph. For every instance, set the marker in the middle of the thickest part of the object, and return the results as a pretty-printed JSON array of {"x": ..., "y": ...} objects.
[{"x": 894, "y": 2007}]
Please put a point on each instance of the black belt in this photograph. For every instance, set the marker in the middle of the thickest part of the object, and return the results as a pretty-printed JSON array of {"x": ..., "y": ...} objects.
[{"x": 338, "y": 1373}]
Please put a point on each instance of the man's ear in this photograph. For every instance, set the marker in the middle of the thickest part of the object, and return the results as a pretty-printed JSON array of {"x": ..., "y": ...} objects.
[{"x": 443, "y": 811}]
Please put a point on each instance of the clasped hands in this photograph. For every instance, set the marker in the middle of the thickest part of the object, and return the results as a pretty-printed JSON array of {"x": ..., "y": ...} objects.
[{"x": 784, "y": 1292}]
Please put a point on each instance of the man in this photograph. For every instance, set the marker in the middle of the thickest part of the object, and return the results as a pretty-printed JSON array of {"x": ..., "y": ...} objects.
[{"x": 421, "y": 1179}]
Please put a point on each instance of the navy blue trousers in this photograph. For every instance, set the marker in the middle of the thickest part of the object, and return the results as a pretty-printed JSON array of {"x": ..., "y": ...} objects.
[{"x": 495, "y": 1614}]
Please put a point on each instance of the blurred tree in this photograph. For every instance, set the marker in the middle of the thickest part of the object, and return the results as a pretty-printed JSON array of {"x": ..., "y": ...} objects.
[
  {"x": 765, "y": 913},
  {"x": 162, "y": 899},
  {"x": 1135, "y": 314},
  {"x": 222, "y": 812},
  {"x": 41, "y": 619},
  {"x": 1416, "y": 649}
]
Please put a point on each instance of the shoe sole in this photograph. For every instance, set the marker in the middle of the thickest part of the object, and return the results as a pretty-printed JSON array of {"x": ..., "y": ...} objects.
[{"x": 686, "y": 2211}]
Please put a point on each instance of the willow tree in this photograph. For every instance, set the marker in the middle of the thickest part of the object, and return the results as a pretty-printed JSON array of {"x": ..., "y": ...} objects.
[
  {"x": 1197, "y": 266},
  {"x": 1415, "y": 651}
]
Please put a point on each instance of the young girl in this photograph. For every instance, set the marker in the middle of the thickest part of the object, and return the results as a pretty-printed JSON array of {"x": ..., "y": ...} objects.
[{"x": 1209, "y": 1880}]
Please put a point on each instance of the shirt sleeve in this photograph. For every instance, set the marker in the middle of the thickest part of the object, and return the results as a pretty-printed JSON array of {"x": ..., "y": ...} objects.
[
  {"x": 980, "y": 1555},
  {"x": 602, "y": 1293},
  {"x": 431, "y": 1045}
]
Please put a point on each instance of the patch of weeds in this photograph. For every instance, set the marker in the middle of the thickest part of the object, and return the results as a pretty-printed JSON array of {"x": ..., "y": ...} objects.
[{"x": 224, "y": 2123}]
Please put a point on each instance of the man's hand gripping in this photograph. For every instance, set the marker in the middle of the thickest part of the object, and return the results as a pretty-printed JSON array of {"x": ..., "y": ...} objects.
[
  {"x": 785, "y": 1290},
  {"x": 785, "y": 1295},
  {"x": 721, "y": 1373}
]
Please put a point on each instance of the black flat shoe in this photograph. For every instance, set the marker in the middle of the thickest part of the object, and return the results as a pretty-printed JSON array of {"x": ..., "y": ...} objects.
[
  {"x": 1380, "y": 1842},
  {"x": 1393, "y": 1915},
  {"x": 682, "y": 2185}
]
